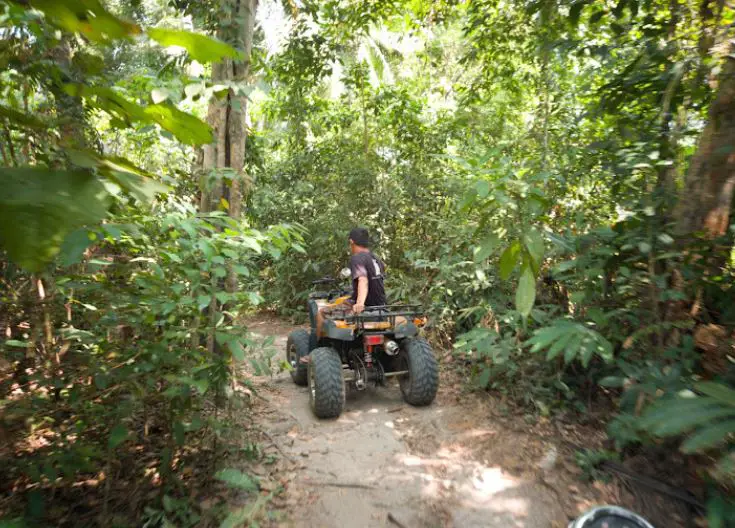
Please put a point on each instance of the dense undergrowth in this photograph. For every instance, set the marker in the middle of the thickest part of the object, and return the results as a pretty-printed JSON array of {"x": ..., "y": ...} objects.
[{"x": 551, "y": 179}]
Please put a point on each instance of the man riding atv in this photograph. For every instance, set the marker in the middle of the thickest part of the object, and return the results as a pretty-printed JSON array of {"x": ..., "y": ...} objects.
[
  {"x": 367, "y": 273},
  {"x": 356, "y": 339}
]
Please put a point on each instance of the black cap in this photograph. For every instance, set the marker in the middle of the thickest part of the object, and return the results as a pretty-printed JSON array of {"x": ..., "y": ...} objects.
[{"x": 360, "y": 236}]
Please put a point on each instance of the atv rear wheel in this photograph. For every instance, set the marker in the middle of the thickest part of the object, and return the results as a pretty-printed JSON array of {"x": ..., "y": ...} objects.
[
  {"x": 419, "y": 386},
  {"x": 326, "y": 383},
  {"x": 296, "y": 348}
]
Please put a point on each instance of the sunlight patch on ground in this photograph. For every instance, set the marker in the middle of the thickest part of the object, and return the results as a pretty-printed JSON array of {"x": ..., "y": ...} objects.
[
  {"x": 481, "y": 489},
  {"x": 487, "y": 482}
]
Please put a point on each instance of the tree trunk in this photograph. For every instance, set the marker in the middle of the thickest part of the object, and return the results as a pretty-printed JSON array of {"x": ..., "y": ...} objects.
[
  {"x": 225, "y": 156},
  {"x": 708, "y": 191},
  {"x": 223, "y": 161}
]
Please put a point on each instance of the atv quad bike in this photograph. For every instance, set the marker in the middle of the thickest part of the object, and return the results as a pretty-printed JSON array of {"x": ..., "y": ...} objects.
[{"x": 358, "y": 349}]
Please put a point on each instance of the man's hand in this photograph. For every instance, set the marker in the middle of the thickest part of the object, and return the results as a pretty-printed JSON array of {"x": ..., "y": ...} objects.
[{"x": 358, "y": 308}]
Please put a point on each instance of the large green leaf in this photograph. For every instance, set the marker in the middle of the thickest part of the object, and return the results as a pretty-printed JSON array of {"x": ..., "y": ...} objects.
[
  {"x": 709, "y": 436},
  {"x": 718, "y": 391},
  {"x": 128, "y": 176},
  {"x": 508, "y": 259},
  {"x": 526, "y": 292},
  {"x": 39, "y": 207},
  {"x": 685, "y": 422},
  {"x": 667, "y": 409},
  {"x": 88, "y": 17},
  {"x": 680, "y": 415},
  {"x": 577, "y": 340},
  {"x": 200, "y": 47},
  {"x": 17, "y": 118},
  {"x": 186, "y": 127}
]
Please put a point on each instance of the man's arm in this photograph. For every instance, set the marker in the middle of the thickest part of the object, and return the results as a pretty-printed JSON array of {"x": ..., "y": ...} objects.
[{"x": 362, "y": 291}]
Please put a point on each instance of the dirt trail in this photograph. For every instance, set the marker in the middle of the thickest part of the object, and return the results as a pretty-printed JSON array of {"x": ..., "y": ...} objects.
[{"x": 444, "y": 465}]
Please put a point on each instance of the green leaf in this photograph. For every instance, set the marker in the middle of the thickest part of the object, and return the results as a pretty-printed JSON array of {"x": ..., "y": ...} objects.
[
  {"x": 74, "y": 246},
  {"x": 254, "y": 298},
  {"x": 486, "y": 248},
  {"x": 533, "y": 240},
  {"x": 241, "y": 270},
  {"x": 709, "y": 437},
  {"x": 682, "y": 421},
  {"x": 612, "y": 381},
  {"x": 483, "y": 380},
  {"x": 483, "y": 188},
  {"x": 237, "y": 479},
  {"x": 663, "y": 410},
  {"x": 526, "y": 292},
  {"x": 179, "y": 433},
  {"x": 572, "y": 347},
  {"x": 118, "y": 435},
  {"x": 22, "y": 119},
  {"x": 238, "y": 352},
  {"x": 509, "y": 259},
  {"x": 187, "y": 128},
  {"x": 203, "y": 301},
  {"x": 252, "y": 243},
  {"x": 222, "y": 296},
  {"x": 718, "y": 391},
  {"x": 586, "y": 352},
  {"x": 16, "y": 343},
  {"x": 201, "y": 48},
  {"x": 141, "y": 188},
  {"x": 87, "y": 17},
  {"x": 559, "y": 345},
  {"x": 543, "y": 337},
  {"x": 39, "y": 207}
]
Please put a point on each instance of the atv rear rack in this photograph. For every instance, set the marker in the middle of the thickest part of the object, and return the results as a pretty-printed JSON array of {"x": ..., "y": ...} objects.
[{"x": 385, "y": 313}]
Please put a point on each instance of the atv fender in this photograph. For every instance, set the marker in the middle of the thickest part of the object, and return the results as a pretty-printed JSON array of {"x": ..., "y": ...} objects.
[
  {"x": 406, "y": 329},
  {"x": 340, "y": 334}
]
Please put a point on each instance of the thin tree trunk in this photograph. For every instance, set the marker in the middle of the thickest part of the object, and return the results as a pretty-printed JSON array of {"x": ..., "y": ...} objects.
[
  {"x": 238, "y": 108},
  {"x": 225, "y": 156},
  {"x": 667, "y": 174},
  {"x": 237, "y": 131},
  {"x": 707, "y": 198}
]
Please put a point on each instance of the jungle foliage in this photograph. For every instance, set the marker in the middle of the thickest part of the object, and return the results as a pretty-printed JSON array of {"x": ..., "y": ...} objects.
[{"x": 553, "y": 179}]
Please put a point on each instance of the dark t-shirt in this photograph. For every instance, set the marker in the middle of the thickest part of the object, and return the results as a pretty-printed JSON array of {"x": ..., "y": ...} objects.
[{"x": 365, "y": 264}]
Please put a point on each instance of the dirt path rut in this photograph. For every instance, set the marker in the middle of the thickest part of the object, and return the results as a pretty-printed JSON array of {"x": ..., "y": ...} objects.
[{"x": 384, "y": 463}]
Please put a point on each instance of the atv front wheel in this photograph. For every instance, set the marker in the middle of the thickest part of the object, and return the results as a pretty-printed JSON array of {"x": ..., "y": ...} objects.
[
  {"x": 419, "y": 386},
  {"x": 296, "y": 348},
  {"x": 326, "y": 383}
]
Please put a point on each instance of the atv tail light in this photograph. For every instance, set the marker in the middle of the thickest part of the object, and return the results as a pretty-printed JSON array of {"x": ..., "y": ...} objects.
[{"x": 374, "y": 339}]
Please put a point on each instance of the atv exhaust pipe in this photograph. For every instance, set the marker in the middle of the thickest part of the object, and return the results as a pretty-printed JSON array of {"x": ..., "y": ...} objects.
[{"x": 391, "y": 348}]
